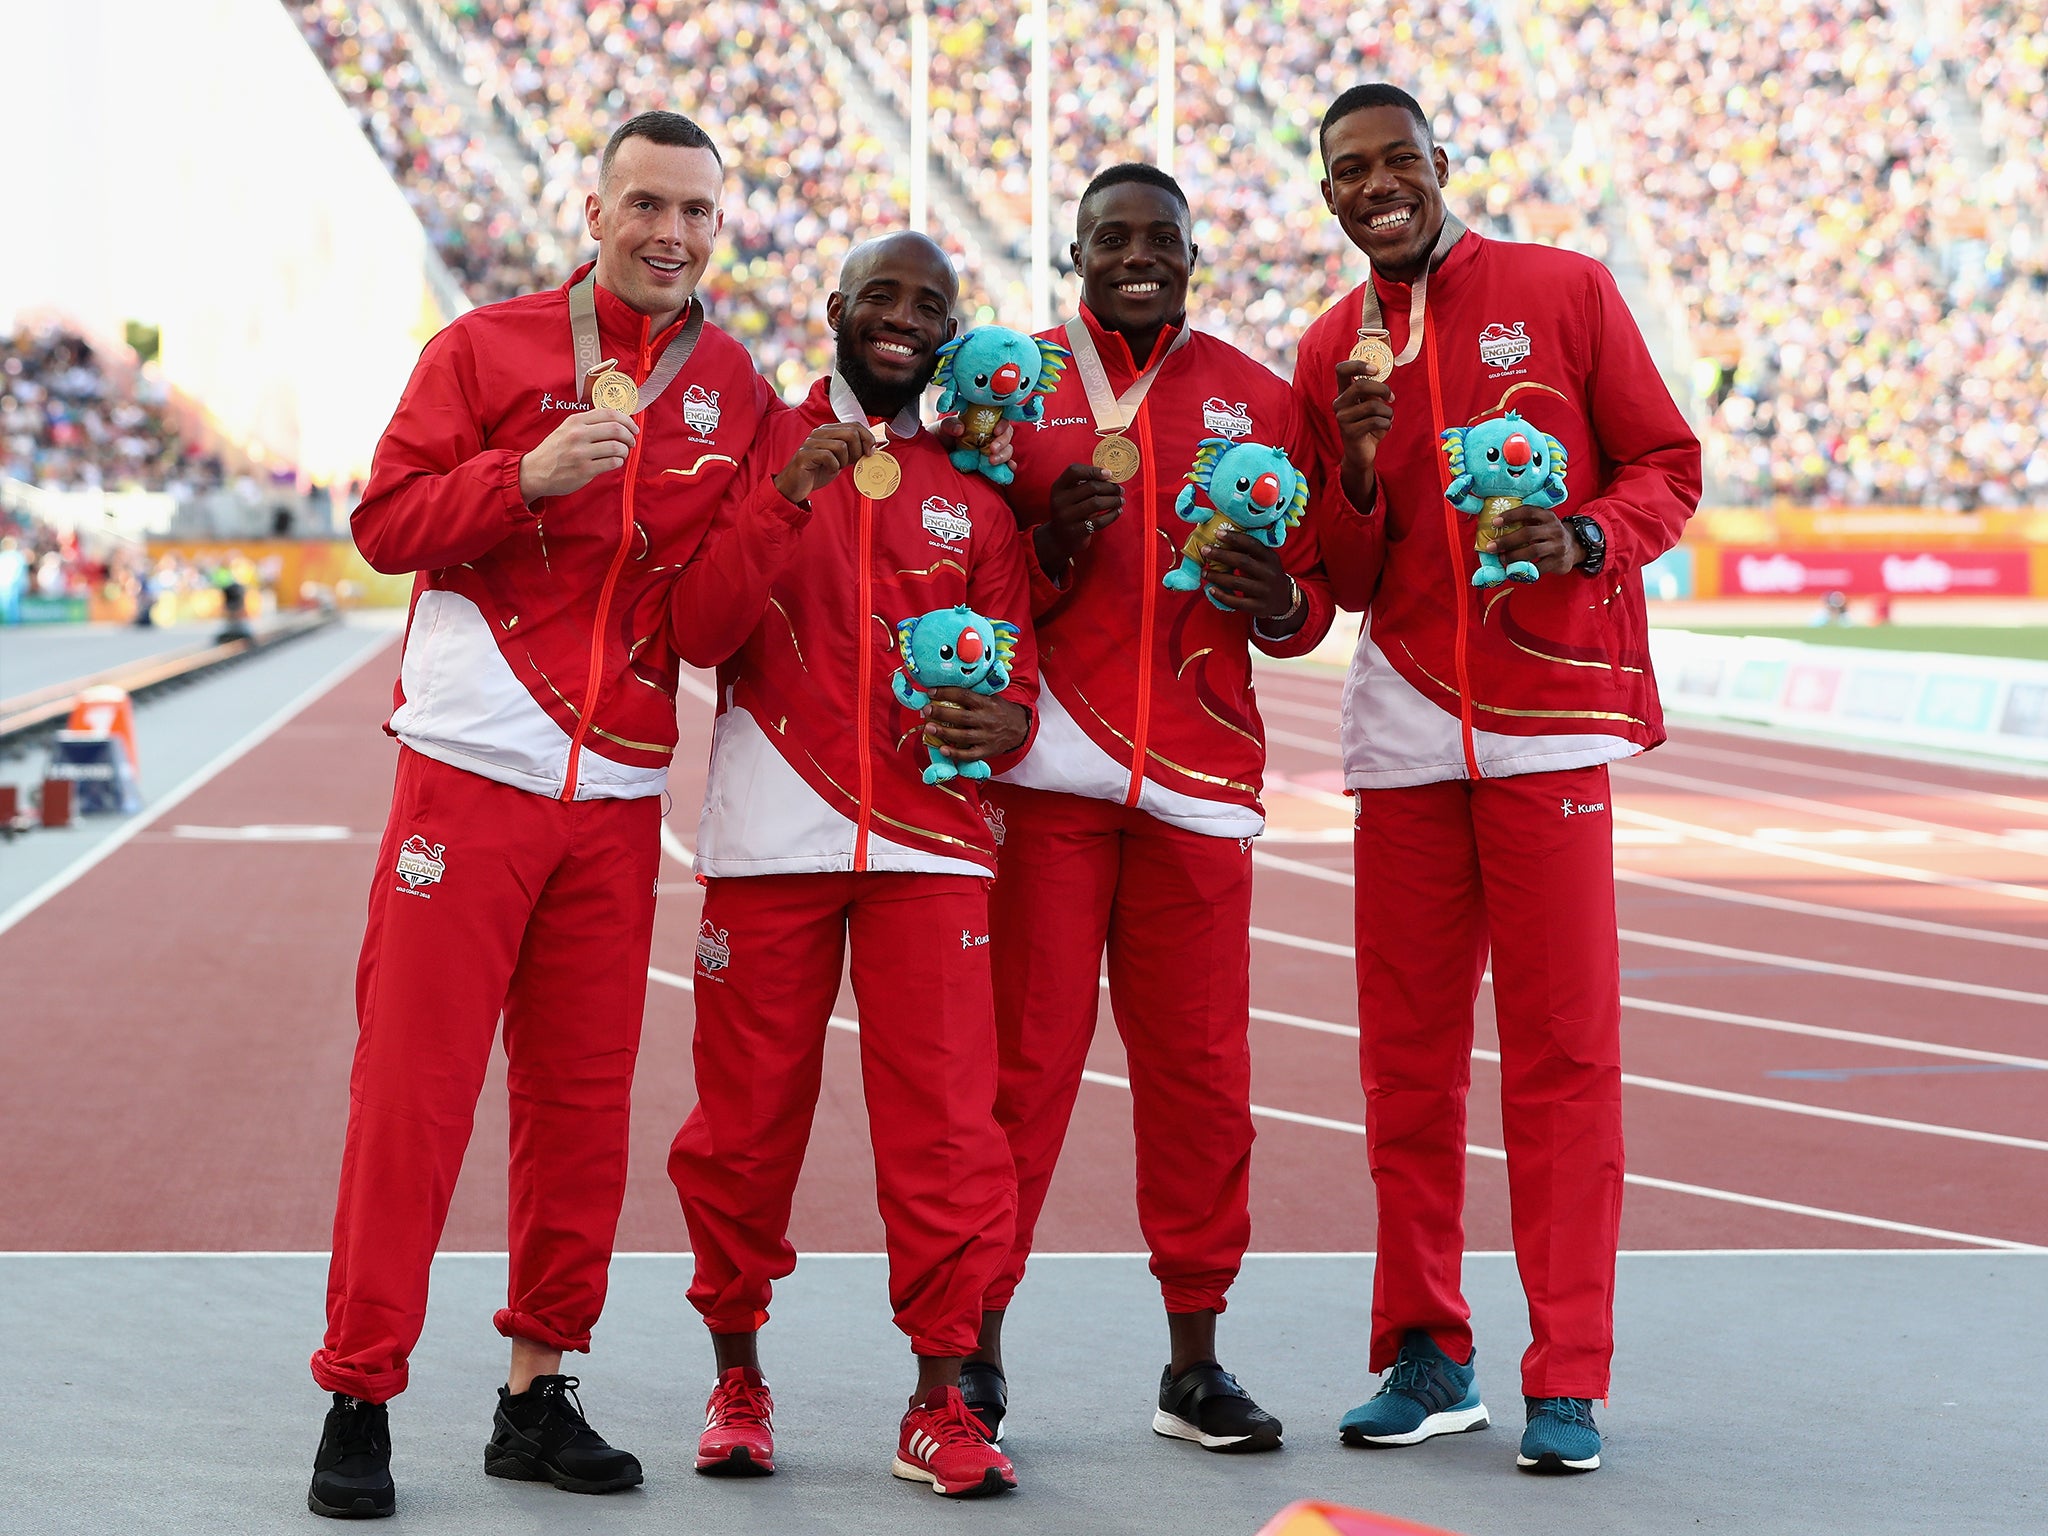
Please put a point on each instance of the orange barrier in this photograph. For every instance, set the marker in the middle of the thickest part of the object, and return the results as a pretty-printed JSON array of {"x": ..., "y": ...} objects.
[
  {"x": 108, "y": 711},
  {"x": 1307, "y": 1517}
]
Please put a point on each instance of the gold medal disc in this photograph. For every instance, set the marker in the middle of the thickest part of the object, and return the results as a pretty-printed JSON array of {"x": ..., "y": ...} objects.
[
  {"x": 615, "y": 391},
  {"x": 1378, "y": 357},
  {"x": 1117, "y": 457},
  {"x": 877, "y": 476}
]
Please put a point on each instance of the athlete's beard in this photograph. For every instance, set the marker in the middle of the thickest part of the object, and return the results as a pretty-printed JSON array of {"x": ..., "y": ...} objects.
[{"x": 876, "y": 397}]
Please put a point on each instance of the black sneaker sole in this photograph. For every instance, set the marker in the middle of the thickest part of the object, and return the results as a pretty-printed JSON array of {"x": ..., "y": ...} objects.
[
  {"x": 523, "y": 1469},
  {"x": 364, "y": 1507},
  {"x": 1550, "y": 1464},
  {"x": 991, "y": 1483},
  {"x": 738, "y": 1462}
]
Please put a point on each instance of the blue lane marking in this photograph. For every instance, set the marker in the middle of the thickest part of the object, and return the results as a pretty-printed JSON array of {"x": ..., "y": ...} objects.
[{"x": 1843, "y": 1074}]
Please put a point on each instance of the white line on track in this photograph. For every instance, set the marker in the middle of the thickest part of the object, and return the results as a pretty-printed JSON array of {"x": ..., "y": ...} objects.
[
  {"x": 1722, "y": 951},
  {"x": 197, "y": 781},
  {"x": 696, "y": 687},
  {"x": 1836, "y": 775},
  {"x": 1350, "y": 1254},
  {"x": 1635, "y": 768},
  {"x": 1817, "y": 909},
  {"x": 1323, "y": 744},
  {"x": 1295, "y": 1117},
  {"x": 1322, "y": 714},
  {"x": 1831, "y": 860},
  {"x": 1702, "y": 1191}
]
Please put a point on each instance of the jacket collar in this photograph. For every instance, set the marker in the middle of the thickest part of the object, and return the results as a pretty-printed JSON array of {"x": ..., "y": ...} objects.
[
  {"x": 1445, "y": 279},
  {"x": 621, "y": 329},
  {"x": 820, "y": 402},
  {"x": 1116, "y": 352}
]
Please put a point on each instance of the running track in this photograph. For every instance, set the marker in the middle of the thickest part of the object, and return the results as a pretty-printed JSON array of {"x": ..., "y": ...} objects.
[{"x": 1836, "y": 970}]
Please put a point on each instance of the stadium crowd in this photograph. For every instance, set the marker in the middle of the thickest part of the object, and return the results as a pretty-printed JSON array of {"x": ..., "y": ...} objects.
[
  {"x": 1801, "y": 193},
  {"x": 1793, "y": 164},
  {"x": 67, "y": 422}
]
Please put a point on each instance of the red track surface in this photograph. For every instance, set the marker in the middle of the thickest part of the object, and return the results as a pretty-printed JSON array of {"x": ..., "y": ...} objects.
[{"x": 178, "y": 1022}]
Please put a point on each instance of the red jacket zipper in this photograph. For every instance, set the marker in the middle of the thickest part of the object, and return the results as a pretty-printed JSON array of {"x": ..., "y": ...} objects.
[
  {"x": 1453, "y": 548},
  {"x": 863, "y": 706},
  {"x": 1148, "y": 586},
  {"x": 604, "y": 597}
]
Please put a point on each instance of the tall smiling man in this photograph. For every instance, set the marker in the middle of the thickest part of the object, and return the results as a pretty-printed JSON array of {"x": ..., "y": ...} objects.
[
  {"x": 566, "y": 556},
  {"x": 1478, "y": 722},
  {"x": 820, "y": 832},
  {"x": 1128, "y": 827}
]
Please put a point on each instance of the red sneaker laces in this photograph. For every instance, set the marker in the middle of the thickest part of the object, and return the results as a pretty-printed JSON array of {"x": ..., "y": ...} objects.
[
  {"x": 954, "y": 1422},
  {"x": 741, "y": 1402}
]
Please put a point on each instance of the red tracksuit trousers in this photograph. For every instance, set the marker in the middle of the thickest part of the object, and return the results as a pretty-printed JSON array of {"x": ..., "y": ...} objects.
[
  {"x": 768, "y": 969},
  {"x": 1524, "y": 865},
  {"x": 1173, "y": 908},
  {"x": 537, "y": 909}
]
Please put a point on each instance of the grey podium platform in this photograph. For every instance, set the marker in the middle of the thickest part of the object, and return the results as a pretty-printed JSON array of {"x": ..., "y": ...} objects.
[{"x": 1766, "y": 1393}]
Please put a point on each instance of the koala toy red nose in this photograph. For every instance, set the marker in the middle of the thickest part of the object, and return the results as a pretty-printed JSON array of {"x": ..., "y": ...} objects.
[
  {"x": 969, "y": 647},
  {"x": 1266, "y": 490},
  {"x": 1516, "y": 451},
  {"x": 1007, "y": 378}
]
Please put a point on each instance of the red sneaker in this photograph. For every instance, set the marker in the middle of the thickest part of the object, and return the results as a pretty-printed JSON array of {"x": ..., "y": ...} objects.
[
  {"x": 944, "y": 1444},
  {"x": 739, "y": 1427}
]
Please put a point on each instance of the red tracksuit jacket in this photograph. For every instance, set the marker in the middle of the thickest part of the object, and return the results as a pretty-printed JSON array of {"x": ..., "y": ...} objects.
[
  {"x": 814, "y": 764},
  {"x": 1452, "y": 681},
  {"x": 1134, "y": 673},
  {"x": 542, "y": 645}
]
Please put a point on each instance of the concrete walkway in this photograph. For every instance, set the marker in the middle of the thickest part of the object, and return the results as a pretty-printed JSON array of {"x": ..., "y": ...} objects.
[{"x": 1756, "y": 1393}]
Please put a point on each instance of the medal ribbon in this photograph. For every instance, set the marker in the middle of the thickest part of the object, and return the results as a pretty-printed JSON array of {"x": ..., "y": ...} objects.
[
  {"x": 583, "y": 332},
  {"x": 1103, "y": 405},
  {"x": 847, "y": 407},
  {"x": 1370, "y": 319}
]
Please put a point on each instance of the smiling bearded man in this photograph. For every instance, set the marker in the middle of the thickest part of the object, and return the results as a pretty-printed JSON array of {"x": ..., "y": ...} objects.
[
  {"x": 1478, "y": 722},
  {"x": 819, "y": 830}
]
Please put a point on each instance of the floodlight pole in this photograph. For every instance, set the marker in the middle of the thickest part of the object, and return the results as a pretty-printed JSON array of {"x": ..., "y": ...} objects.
[
  {"x": 920, "y": 114},
  {"x": 1041, "y": 168}
]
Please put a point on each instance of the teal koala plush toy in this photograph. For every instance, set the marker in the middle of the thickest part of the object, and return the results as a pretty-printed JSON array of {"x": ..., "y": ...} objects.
[
  {"x": 993, "y": 374},
  {"x": 952, "y": 648},
  {"x": 1499, "y": 465},
  {"x": 1250, "y": 489}
]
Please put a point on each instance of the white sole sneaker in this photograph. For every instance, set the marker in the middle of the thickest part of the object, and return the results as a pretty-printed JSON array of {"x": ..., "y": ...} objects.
[
  {"x": 1453, "y": 1421},
  {"x": 1175, "y": 1428},
  {"x": 1554, "y": 1463}
]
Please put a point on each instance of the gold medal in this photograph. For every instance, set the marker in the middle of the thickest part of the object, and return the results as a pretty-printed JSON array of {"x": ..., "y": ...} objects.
[
  {"x": 1117, "y": 457},
  {"x": 1373, "y": 351},
  {"x": 615, "y": 391},
  {"x": 877, "y": 476}
]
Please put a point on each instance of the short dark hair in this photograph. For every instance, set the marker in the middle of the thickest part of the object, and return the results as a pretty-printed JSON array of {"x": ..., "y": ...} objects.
[
  {"x": 1132, "y": 170},
  {"x": 1379, "y": 94},
  {"x": 671, "y": 128}
]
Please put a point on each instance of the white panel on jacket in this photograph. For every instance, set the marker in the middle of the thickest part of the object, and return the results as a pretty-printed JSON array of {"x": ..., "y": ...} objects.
[
  {"x": 1064, "y": 759},
  {"x": 761, "y": 818},
  {"x": 1392, "y": 736}
]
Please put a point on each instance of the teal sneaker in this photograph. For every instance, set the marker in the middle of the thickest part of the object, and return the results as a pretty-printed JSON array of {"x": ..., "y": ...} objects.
[
  {"x": 1561, "y": 1436},
  {"x": 1423, "y": 1393}
]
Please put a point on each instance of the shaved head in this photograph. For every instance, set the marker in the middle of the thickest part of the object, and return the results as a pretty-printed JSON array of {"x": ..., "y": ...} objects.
[{"x": 905, "y": 245}]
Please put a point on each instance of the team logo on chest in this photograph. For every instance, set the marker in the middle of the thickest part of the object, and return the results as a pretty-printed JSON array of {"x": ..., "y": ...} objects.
[
  {"x": 946, "y": 520},
  {"x": 1502, "y": 347},
  {"x": 700, "y": 410},
  {"x": 420, "y": 863},
  {"x": 714, "y": 954},
  {"x": 1226, "y": 420}
]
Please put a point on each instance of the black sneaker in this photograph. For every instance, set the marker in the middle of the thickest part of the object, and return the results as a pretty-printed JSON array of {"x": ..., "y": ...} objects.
[
  {"x": 352, "y": 1468},
  {"x": 541, "y": 1436},
  {"x": 987, "y": 1394},
  {"x": 1206, "y": 1405}
]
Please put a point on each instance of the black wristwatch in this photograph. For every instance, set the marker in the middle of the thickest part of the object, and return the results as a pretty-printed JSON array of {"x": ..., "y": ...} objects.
[{"x": 1592, "y": 540}]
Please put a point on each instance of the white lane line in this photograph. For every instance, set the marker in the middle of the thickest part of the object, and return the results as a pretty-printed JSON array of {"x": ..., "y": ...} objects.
[
  {"x": 1322, "y": 714},
  {"x": 1830, "y": 860},
  {"x": 1325, "y": 744},
  {"x": 1295, "y": 1117},
  {"x": 1702, "y": 1191},
  {"x": 1715, "y": 1015},
  {"x": 1635, "y": 769},
  {"x": 676, "y": 848},
  {"x": 1832, "y": 968},
  {"x": 122, "y": 835},
  {"x": 1722, "y": 951},
  {"x": 1817, "y": 909},
  {"x": 1349, "y": 1255},
  {"x": 696, "y": 687},
  {"x": 1834, "y": 775}
]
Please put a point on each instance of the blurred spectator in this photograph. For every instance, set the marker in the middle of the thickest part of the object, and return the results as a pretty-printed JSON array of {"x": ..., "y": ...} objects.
[{"x": 68, "y": 423}]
